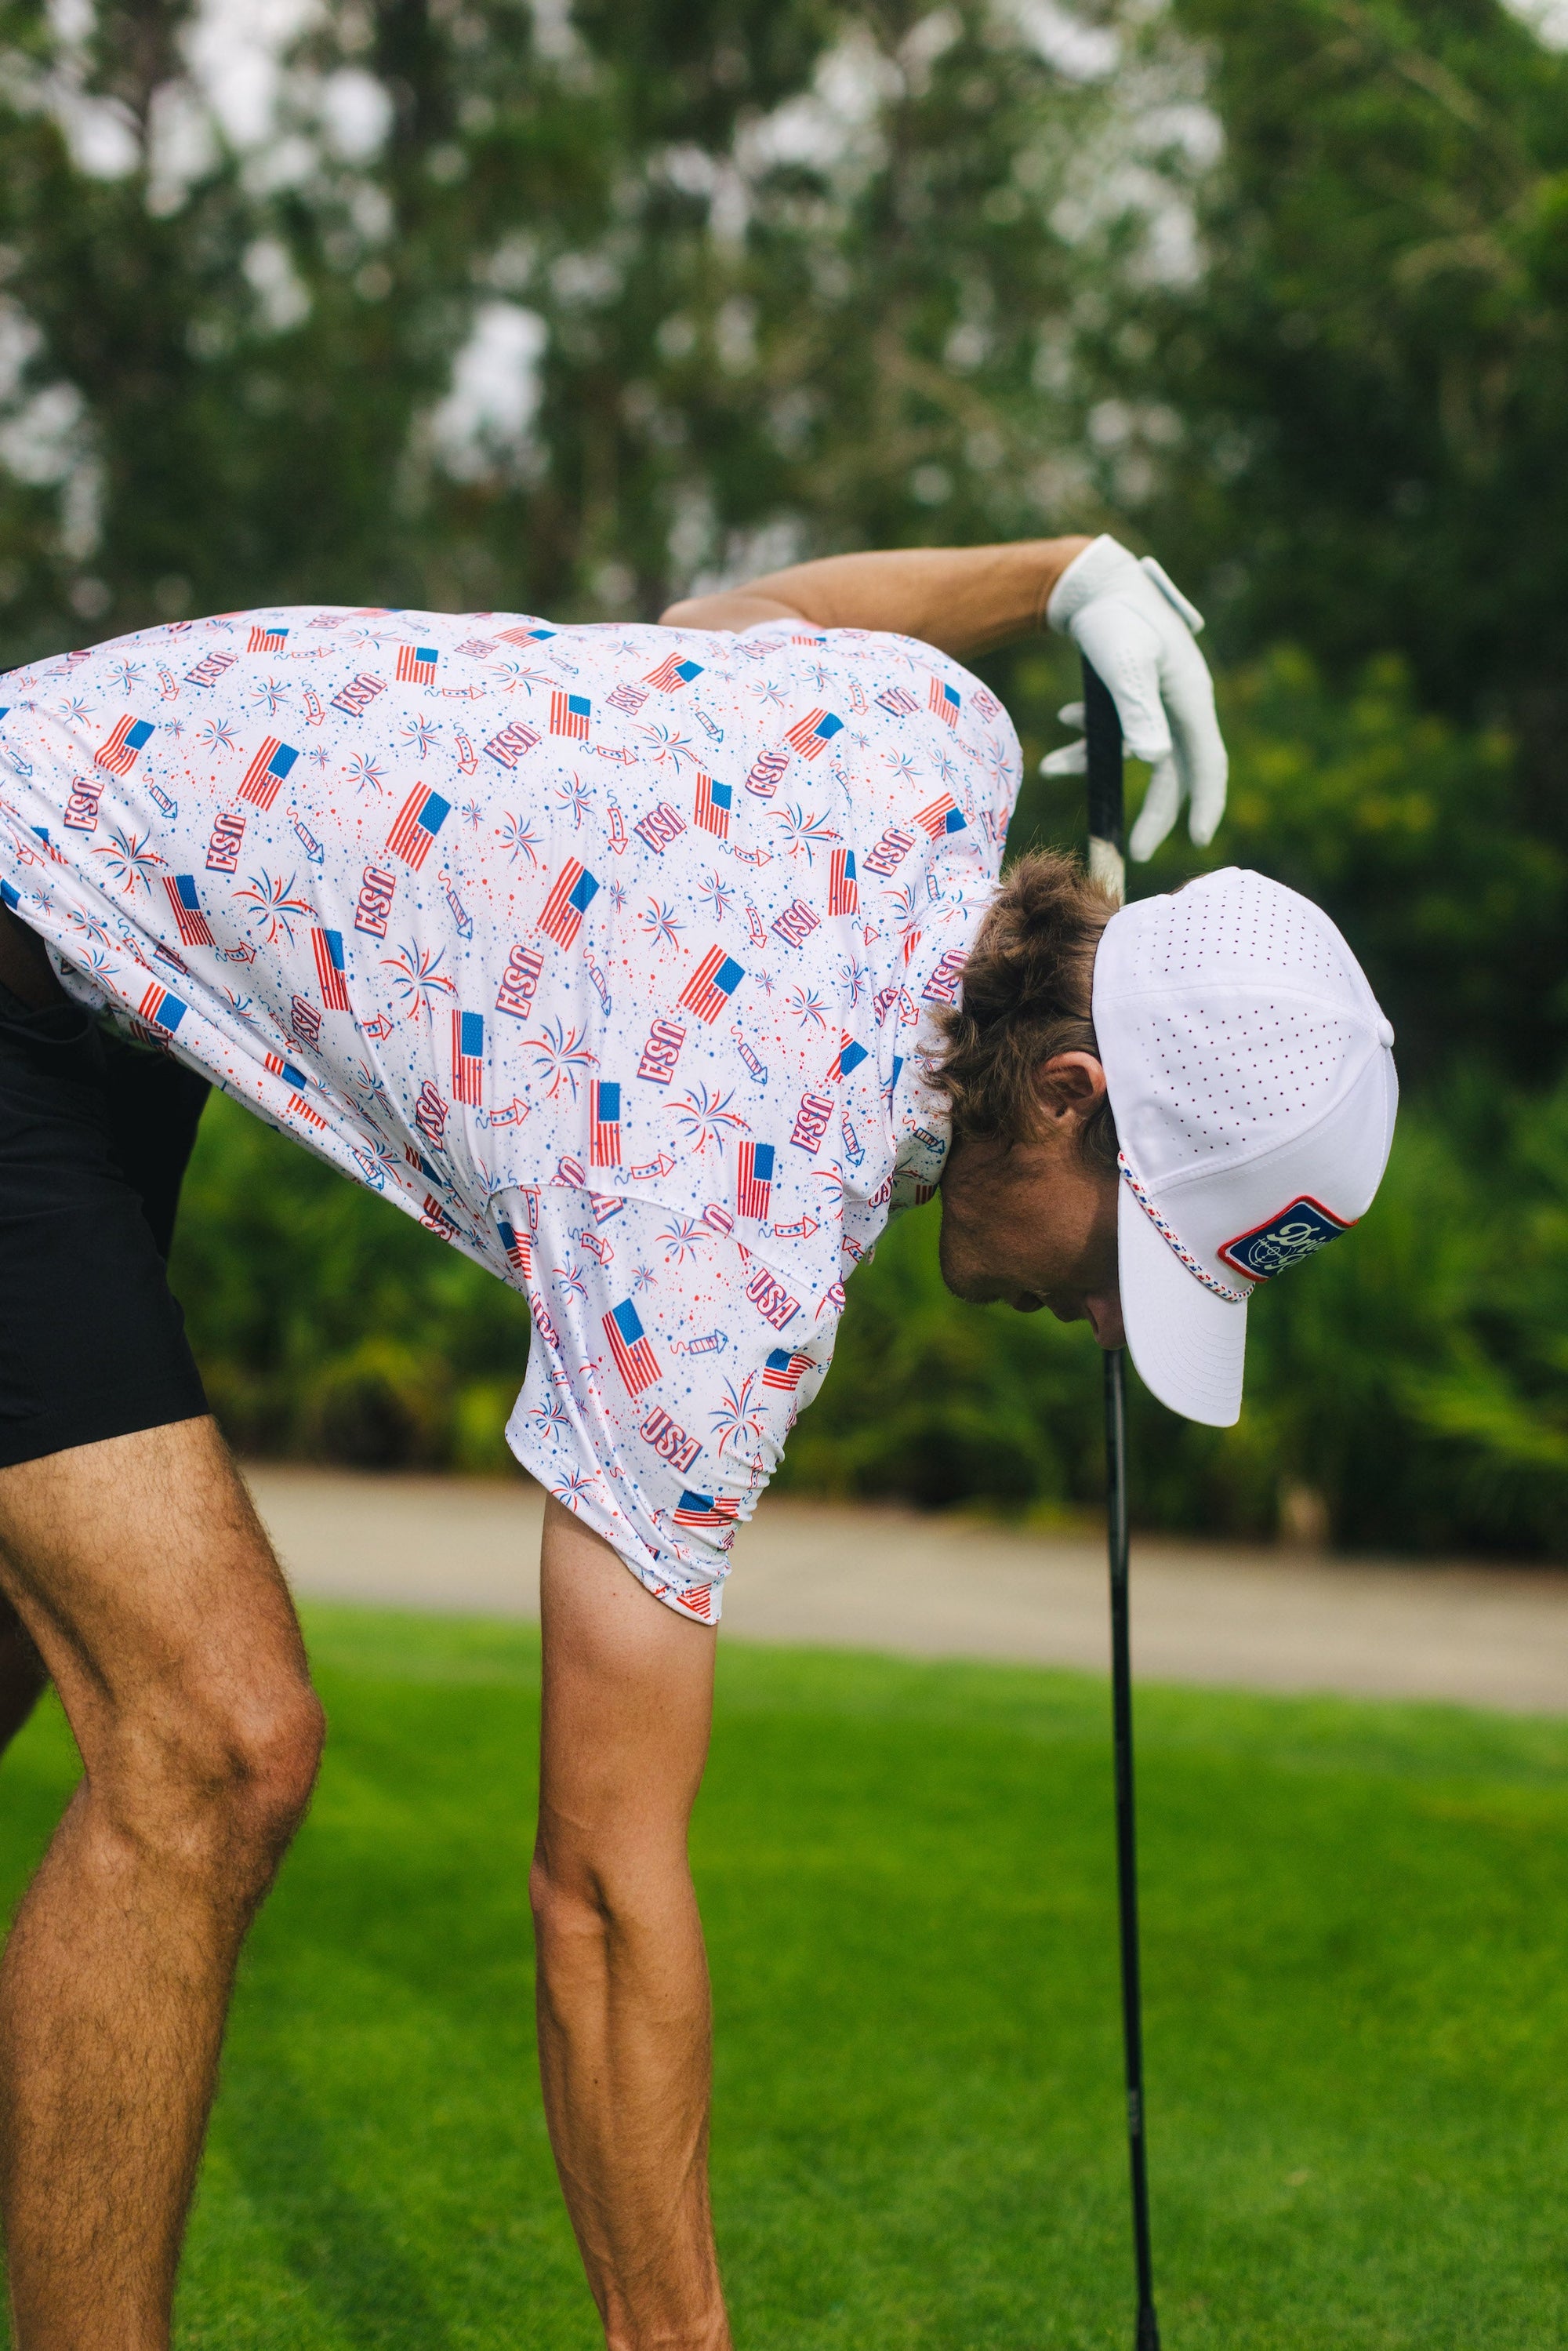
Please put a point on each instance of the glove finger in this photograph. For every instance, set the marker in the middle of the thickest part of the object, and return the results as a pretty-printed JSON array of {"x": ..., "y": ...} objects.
[
  {"x": 1199, "y": 745},
  {"x": 1203, "y": 756},
  {"x": 1158, "y": 813},
  {"x": 1125, "y": 648},
  {"x": 1072, "y": 759},
  {"x": 1207, "y": 807}
]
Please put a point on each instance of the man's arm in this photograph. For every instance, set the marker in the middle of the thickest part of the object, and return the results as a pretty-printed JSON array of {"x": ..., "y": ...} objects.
[
  {"x": 625, "y": 2028},
  {"x": 963, "y": 600}
]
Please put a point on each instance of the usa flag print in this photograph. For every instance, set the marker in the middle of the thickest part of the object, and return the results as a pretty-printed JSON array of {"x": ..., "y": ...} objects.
[
  {"x": 419, "y": 821},
  {"x": 574, "y": 891},
  {"x": 268, "y": 773},
  {"x": 331, "y": 974},
  {"x": 628, "y": 1346},
  {"x": 708, "y": 992},
  {"x": 192, "y": 926}
]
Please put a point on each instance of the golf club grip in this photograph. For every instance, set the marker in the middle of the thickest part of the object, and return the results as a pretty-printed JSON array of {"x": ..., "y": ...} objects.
[{"x": 1107, "y": 815}]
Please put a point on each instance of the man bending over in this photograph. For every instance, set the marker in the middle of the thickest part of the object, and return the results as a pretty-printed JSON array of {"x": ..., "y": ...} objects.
[{"x": 655, "y": 968}]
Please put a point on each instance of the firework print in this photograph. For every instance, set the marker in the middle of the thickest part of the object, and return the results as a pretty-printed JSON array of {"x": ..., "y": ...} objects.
[{"x": 607, "y": 953}]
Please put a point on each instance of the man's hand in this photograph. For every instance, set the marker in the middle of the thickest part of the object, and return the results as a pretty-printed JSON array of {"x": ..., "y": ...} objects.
[{"x": 1135, "y": 629}]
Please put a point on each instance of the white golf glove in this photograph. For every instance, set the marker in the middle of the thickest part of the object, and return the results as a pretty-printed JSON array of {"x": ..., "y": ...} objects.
[{"x": 1135, "y": 628}]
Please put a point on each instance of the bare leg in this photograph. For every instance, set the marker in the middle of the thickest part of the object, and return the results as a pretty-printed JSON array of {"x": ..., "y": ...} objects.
[
  {"x": 626, "y": 2026},
  {"x": 139, "y": 1569}
]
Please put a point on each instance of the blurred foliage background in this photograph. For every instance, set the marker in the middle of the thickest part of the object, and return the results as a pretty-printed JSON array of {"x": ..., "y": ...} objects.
[{"x": 565, "y": 307}]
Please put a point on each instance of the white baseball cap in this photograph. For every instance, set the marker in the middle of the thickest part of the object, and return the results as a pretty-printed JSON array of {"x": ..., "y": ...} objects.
[{"x": 1251, "y": 1078}]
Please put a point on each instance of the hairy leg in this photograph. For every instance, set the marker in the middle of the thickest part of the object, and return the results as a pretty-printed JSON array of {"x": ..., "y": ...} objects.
[
  {"x": 139, "y": 1569},
  {"x": 625, "y": 2025}
]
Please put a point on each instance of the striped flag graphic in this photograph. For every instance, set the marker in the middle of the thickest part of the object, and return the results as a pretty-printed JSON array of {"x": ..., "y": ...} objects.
[
  {"x": 709, "y": 1511},
  {"x": 673, "y": 674},
  {"x": 574, "y": 891},
  {"x": 418, "y": 822},
  {"x": 519, "y": 1248},
  {"x": 266, "y": 639},
  {"x": 267, "y": 771},
  {"x": 714, "y": 802},
  {"x": 698, "y": 1601},
  {"x": 849, "y": 1057},
  {"x": 118, "y": 753},
  {"x": 279, "y": 1068},
  {"x": 569, "y": 715},
  {"x": 628, "y": 1346},
  {"x": 942, "y": 816},
  {"x": 812, "y": 734},
  {"x": 194, "y": 928},
  {"x": 945, "y": 701},
  {"x": 843, "y": 889},
  {"x": 754, "y": 1179},
  {"x": 783, "y": 1370},
  {"x": 164, "y": 1010},
  {"x": 328, "y": 948},
  {"x": 603, "y": 1123},
  {"x": 468, "y": 1057},
  {"x": 711, "y": 985},
  {"x": 416, "y": 665},
  {"x": 523, "y": 636}
]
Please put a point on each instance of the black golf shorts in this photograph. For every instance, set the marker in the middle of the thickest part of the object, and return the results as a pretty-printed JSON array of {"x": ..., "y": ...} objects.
[{"x": 94, "y": 1138}]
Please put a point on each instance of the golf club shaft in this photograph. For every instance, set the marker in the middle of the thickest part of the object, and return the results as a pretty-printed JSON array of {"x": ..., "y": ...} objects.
[
  {"x": 1102, "y": 734},
  {"x": 1127, "y": 1835}
]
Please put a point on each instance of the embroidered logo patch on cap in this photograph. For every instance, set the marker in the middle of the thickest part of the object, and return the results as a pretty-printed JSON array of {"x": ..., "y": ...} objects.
[{"x": 1285, "y": 1239}]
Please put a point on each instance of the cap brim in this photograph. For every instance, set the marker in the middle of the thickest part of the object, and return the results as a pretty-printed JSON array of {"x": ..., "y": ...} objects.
[{"x": 1189, "y": 1346}]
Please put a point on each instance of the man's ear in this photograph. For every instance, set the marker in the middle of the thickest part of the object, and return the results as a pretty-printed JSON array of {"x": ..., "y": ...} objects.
[{"x": 1070, "y": 1088}]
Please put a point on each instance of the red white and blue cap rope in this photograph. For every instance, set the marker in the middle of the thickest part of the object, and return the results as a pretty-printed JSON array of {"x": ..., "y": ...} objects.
[{"x": 1198, "y": 1272}]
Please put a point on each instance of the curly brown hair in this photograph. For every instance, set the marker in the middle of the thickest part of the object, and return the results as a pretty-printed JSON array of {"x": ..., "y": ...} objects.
[{"x": 1027, "y": 993}]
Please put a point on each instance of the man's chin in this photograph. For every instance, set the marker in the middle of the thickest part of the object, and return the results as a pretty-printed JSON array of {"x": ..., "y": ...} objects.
[{"x": 962, "y": 1280}]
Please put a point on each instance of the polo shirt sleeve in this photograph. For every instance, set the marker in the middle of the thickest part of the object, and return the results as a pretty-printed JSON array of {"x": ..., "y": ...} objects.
[{"x": 668, "y": 1364}]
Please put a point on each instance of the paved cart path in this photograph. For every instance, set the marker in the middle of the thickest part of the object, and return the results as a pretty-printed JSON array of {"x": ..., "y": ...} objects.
[{"x": 893, "y": 1580}]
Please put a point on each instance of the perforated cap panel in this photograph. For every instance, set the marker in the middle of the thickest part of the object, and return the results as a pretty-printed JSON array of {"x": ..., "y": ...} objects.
[
  {"x": 1219, "y": 1076},
  {"x": 1250, "y": 1073},
  {"x": 1237, "y": 925}
]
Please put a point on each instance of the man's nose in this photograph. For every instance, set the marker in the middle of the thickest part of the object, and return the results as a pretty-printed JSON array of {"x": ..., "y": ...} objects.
[{"x": 1104, "y": 1312}]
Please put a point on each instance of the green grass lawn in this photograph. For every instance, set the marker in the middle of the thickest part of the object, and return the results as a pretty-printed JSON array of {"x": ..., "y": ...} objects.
[{"x": 1355, "y": 1923}]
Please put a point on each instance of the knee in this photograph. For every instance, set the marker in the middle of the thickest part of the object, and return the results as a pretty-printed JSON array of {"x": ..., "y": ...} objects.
[
  {"x": 552, "y": 1894},
  {"x": 271, "y": 1752},
  {"x": 219, "y": 1789},
  {"x": 589, "y": 1893},
  {"x": 573, "y": 1902}
]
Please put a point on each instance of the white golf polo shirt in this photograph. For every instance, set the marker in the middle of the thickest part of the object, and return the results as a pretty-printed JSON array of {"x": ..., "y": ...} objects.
[{"x": 603, "y": 951}]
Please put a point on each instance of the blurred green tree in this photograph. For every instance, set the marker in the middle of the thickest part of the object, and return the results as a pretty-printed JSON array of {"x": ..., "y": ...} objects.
[
  {"x": 463, "y": 303},
  {"x": 1368, "y": 371}
]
